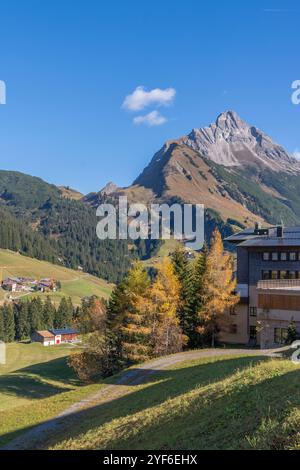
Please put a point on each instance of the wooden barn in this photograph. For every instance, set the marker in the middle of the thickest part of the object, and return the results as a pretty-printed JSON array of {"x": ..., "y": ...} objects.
[
  {"x": 55, "y": 337},
  {"x": 45, "y": 337}
]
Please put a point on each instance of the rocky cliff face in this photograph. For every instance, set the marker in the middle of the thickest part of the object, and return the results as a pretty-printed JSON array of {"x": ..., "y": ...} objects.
[{"x": 231, "y": 142}]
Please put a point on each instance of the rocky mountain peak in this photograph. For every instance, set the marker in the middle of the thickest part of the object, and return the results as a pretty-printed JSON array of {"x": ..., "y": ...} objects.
[
  {"x": 231, "y": 141},
  {"x": 109, "y": 188},
  {"x": 229, "y": 120}
]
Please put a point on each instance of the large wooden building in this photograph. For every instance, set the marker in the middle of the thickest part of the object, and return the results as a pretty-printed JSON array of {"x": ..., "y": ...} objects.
[{"x": 268, "y": 283}]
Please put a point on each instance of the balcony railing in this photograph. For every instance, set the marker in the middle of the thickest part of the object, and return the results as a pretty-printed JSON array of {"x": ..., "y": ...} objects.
[{"x": 279, "y": 284}]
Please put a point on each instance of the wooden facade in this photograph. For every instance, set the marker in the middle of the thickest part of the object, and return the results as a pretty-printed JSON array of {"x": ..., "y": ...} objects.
[{"x": 272, "y": 301}]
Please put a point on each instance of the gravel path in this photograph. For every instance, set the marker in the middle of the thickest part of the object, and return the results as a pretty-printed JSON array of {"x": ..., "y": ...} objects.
[{"x": 35, "y": 437}]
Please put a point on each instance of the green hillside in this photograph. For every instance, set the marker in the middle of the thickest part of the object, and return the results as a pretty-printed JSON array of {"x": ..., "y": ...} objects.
[
  {"x": 66, "y": 227},
  {"x": 75, "y": 284},
  {"x": 211, "y": 403},
  {"x": 224, "y": 402}
]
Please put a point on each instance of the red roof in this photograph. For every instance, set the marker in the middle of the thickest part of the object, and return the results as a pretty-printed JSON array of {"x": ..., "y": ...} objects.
[{"x": 45, "y": 334}]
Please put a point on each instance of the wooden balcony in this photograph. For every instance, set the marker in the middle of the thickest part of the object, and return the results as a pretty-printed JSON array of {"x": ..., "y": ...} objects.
[{"x": 284, "y": 284}]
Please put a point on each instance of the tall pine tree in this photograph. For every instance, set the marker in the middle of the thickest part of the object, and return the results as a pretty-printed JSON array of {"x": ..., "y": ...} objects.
[
  {"x": 9, "y": 323},
  {"x": 22, "y": 321},
  {"x": 133, "y": 323},
  {"x": 183, "y": 268},
  {"x": 48, "y": 313}
]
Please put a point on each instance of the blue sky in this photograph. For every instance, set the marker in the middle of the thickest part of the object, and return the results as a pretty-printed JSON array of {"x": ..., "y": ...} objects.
[{"x": 68, "y": 66}]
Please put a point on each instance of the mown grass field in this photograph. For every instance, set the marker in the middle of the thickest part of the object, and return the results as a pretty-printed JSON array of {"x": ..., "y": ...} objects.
[
  {"x": 212, "y": 403},
  {"x": 35, "y": 384},
  {"x": 73, "y": 283}
]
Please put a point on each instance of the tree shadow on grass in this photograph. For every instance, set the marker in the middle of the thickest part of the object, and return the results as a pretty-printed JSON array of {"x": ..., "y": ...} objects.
[
  {"x": 32, "y": 382},
  {"x": 55, "y": 369},
  {"x": 161, "y": 386}
]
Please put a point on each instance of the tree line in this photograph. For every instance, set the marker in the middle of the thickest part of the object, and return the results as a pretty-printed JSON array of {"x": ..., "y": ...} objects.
[
  {"x": 18, "y": 320},
  {"x": 181, "y": 306}
]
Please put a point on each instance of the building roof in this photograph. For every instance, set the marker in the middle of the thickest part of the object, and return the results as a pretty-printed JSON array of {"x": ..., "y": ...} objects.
[
  {"x": 64, "y": 331},
  {"x": 46, "y": 334},
  {"x": 266, "y": 237}
]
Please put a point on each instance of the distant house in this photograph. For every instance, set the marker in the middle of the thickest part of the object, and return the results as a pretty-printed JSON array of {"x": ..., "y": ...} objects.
[
  {"x": 19, "y": 284},
  {"x": 45, "y": 337},
  {"x": 55, "y": 336},
  {"x": 10, "y": 285},
  {"x": 47, "y": 284}
]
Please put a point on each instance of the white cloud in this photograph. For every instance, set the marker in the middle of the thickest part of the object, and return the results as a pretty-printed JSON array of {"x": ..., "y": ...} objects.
[
  {"x": 141, "y": 98},
  {"x": 151, "y": 119},
  {"x": 296, "y": 154}
]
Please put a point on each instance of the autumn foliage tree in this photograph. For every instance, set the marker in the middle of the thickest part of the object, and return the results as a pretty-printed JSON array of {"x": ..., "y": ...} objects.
[
  {"x": 164, "y": 301},
  {"x": 134, "y": 323},
  {"x": 184, "y": 303},
  {"x": 218, "y": 286}
]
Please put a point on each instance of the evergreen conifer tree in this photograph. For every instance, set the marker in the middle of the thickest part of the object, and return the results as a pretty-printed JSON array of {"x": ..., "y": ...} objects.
[
  {"x": 48, "y": 313},
  {"x": 9, "y": 323}
]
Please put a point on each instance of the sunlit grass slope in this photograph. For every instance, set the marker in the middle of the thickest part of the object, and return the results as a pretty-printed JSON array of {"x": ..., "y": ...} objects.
[
  {"x": 213, "y": 403},
  {"x": 74, "y": 283}
]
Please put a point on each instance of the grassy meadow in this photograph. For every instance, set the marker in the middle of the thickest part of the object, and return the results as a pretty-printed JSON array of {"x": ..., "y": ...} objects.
[{"x": 212, "y": 403}]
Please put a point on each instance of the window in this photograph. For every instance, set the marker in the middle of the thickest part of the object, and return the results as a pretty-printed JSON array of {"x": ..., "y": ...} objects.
[
  {"x": 292, "y": 274},
  {"x": 266, "y": 275},
  {"x": 233, "y": 329},
  {"x": 293, "y": 256},
  {"x": 252, "y": 332},
  {"x": 280, "y": 335},
  {"x": 283, "y": 256},
  {"x": 253, "y": 311},
  {"x": 283, "y": 274},
  {"x": 274, "y": 256},
  {"x": 266, "y": 256},
  {"x": 274, "y": 274},
  {"x": 232, "y": 311}
]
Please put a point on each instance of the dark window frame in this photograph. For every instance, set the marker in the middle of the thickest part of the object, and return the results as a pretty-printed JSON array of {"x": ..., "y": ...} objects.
[
  {"x": 251, "y": 334},
  {"x": 264, "y": 271},
  {"x": 253, "y": 311},
  {"x": 281, "y": 334}
]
